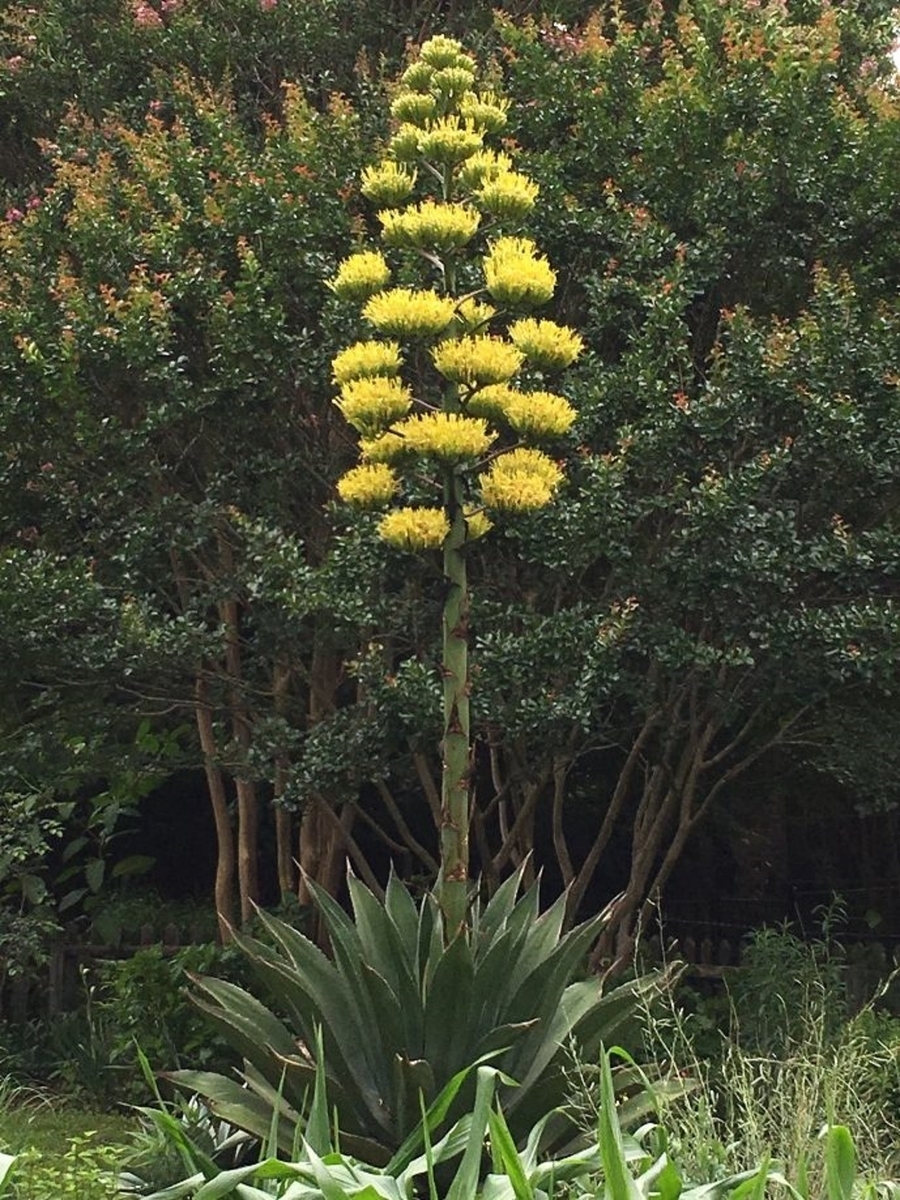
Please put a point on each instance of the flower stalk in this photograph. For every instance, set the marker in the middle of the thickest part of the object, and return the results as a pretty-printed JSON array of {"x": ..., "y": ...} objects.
[{"x": 413, "y": 433}]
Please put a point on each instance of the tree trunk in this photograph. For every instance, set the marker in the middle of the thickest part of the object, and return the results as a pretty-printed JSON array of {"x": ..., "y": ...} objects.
[{"x": 225, "y": 856}]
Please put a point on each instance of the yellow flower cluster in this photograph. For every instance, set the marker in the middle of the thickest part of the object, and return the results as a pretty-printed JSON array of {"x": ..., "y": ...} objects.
[
  {"x": 415, "y": 528},
  {"x": 361, "y": 275},
  {"x": 485, "y": 110},
  {"x": 441, "y": 51},
  {"x": 472, "y": 315},
  {"x": 371, "y": 404},
  {"x": 477, "y": 361},
  {"x": 539, "y": 414},
  {"x": 410, "y": 313},
  {"x": 447, "y": 436},
  {"x": 452, "y": 82},
  {"x": 515, "y": 274},
  {"x": 388, "y": 183},
  {"x": 520, "y": 480},
  {"x": 482, "y": 166},
  {"x": 477, "y": 523},
  {"x": 430, "y": 226},
  {"x": 493, "y": 401},
  {"x": 415, "y": 107},
  {"x": 364, "y": 359},
  {"x": 547, "y": 345},
  {"x": 509, "y": 195},
  {"x": 387, "y": 447},
  {"x": 449, "y": 140},
  {"x": 371, "y": 485}
]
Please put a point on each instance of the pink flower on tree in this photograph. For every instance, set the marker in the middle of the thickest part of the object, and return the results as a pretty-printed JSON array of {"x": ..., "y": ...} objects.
[{"x": 146, "y": 16}]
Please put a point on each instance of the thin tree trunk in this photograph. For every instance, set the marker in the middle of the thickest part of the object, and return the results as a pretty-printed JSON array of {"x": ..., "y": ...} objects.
[
  {"x": 247, "y": 800},
  {"x": 284, "y": 820},
  {"x": 225, "y": 856}
]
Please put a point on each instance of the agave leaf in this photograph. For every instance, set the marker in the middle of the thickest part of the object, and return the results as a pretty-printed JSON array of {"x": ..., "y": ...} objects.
[
  {"x": 542, "y": 940},
  {"x": 493, "y": 917},
  {"x": 178, "y": 1191},
  {"x": 388, "y": 1030},
  {"x": 502, "y": 1037},
  {"x": 318, "y": 1126},
  {"x": 7, "y": 1162},
  {"x": 383, "y": 946},
  {"x": 238, "y": 1105},
  {"x": 539, "y": 993},
  {"x": 494, "y": 975},
  {"x": 447, "y": 1008},
  {"x": 413, "y": 1085},
  {"x": 401, "y": 909},
  {"x": 250, "y": 1025},
  {"x": 434, "y": 1116}
]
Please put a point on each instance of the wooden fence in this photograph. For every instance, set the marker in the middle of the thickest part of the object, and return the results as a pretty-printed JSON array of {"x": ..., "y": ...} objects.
[
  {"x": 867, "y": 965},
  {"x": 61, "y": 985}
]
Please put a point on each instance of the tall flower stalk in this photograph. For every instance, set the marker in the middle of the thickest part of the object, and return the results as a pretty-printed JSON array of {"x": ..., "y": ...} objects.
[{"x": 449, "y": 394}]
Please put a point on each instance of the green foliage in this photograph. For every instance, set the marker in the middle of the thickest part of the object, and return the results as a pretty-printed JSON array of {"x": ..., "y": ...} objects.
[
  {"x": 791, "y": 1055},
  {"x": 144, "y": 1004},
  {"x": 403, "y": 1014},
  {"x": 83, "y": 1171}
]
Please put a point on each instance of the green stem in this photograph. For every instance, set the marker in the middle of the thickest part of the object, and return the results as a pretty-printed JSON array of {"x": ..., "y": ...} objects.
[{"x": 455, "y": 786}]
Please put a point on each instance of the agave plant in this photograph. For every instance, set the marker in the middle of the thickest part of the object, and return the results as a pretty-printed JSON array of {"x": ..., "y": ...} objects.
[{"x": 403, "y": 1013}]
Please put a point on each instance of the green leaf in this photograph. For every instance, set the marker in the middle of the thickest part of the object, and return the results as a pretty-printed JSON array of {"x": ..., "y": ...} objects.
[
  {"x": 840, "y": 1163},
  {"x": 618, "y": 1183},
  {"x": 504, "y": 1147},
  {"x": 94, "y": 871}
]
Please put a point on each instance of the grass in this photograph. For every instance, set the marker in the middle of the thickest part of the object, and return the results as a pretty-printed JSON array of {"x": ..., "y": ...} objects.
[{"x": 67, "y": 1150}]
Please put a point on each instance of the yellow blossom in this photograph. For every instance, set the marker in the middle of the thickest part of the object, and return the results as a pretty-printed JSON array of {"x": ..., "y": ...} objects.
[
  {"x": 486, "y": 111},
  {"x": 404, "y": 145},
  {"x": 471, "y": 315},
  {"x": 417, "y": 76},
  {"x": 477, "y": 361},
  {"x": 520, "y": 480},
  {"x": 483, "y": 165},
  {"x": 370, "y": 485},
  {"x": 508, "y": 196},
  {"x": 387, "y": 447},
  {"x": 493, "y": 401},
  {"x": 540, "y": 414},
  {"x": 516, "y": 274},
  {"x": 415, "y": 107},
  {"x": 408, "y": 313},
  {"x": 364, "y": 359},
  {"x": 448, "y": 436},
  {"x": 361, "y": 275},
  {"x": 415, "y": 528},
  {"x": 478, "y": 523},
  {"x": 545, "y": 344},
  {"x": 452, "y": 82},
  {"x": 449, "y": 140},
  {"x": 372, "y": 404},
  {"x": 430, "y": 226},
  {"x": 387, "y": 183},
  {"x": 440, "y": 52}
]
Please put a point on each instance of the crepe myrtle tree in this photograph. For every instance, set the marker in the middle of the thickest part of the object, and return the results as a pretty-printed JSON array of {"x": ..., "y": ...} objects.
[{"x": 450, "y": 395}]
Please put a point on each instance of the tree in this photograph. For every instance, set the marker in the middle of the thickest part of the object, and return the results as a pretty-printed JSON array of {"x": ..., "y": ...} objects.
[{"x": 168, "y": 437}]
